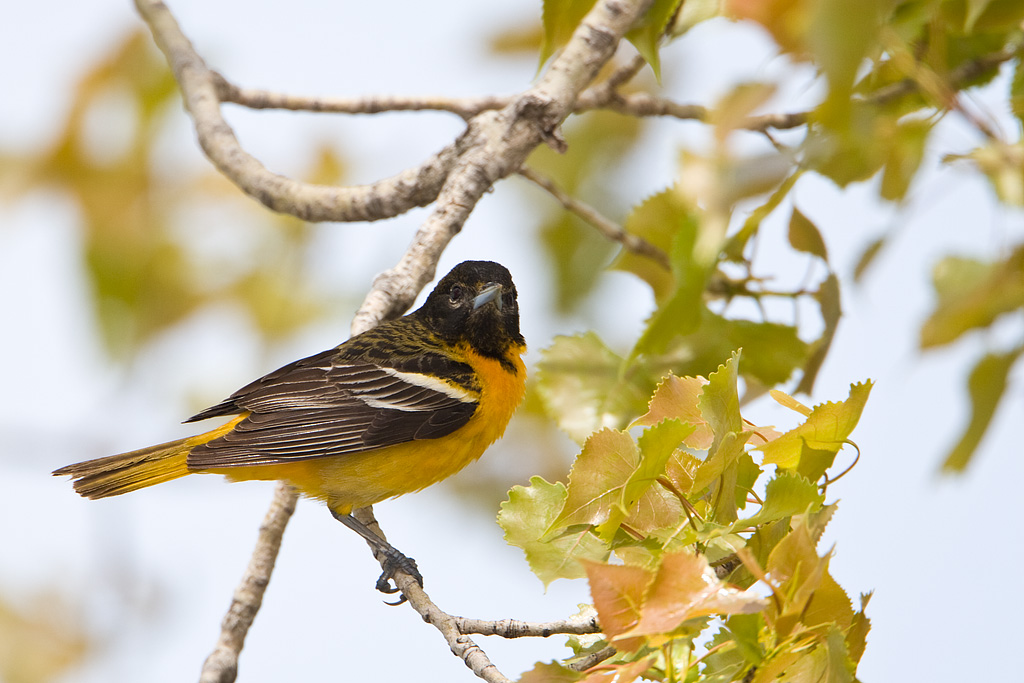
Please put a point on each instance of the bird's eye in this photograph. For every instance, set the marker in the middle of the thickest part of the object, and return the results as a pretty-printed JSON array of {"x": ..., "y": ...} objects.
[{"x": 455, "y": 295}]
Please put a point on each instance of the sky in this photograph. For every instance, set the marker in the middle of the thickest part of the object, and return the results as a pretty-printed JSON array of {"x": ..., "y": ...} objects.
[{"x": 152, "y": 574}]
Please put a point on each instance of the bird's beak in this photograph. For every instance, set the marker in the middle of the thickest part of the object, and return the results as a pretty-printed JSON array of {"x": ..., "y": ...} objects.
[{"x": 490, "y": 292}]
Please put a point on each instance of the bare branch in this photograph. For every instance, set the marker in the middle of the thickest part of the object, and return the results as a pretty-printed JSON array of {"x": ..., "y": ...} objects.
[
  {"x": 465, "y": 107},
  {"x": 512, "y": 628},
  {"x": 497, "y": 143},
  {"x": 606, "y": 227},
  {"x": 593, "y": 659},
  {"x": 222, "y": 664},
  {"x": 199, "y": 86}
]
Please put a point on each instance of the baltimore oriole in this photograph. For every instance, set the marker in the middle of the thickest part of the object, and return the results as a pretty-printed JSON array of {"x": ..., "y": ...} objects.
[{"x": 390, "y": 411}]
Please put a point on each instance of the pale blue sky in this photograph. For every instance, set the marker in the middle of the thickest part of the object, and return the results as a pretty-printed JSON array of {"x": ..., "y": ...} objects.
[{"x": 154, "y": 571}]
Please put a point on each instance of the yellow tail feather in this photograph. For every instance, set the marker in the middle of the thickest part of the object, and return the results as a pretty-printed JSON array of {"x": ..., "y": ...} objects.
[{"x": 131, "y": 471}]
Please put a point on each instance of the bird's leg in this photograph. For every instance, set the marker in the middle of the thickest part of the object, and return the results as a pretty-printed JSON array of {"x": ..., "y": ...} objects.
[{"x": 394, "y": 559}]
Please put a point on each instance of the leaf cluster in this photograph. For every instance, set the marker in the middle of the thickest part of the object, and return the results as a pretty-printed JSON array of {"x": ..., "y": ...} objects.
[
  {"x": 889, "y": 73},
  {"x": 671, "y": 534}
]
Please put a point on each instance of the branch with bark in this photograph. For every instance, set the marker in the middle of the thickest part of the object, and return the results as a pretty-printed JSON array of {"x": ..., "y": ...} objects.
[{"x": 495, "y": 144}]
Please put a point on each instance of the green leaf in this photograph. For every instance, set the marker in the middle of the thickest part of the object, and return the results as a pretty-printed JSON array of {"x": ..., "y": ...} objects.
[
  {"x": 560, "y": 18},
  {"x": 771, "y": 350},
  {"x": 552, "y": 672},
  {"x": 1017, "y": 90},
  {"x": 826, "y": 662},
  {"x": 827, "y": 428},
  {"x": 804, "y": 235},
  {"x": 972, "y": 294},
  {"x": 598, "y": 478},
  {"x": 720, "y": 401},
  {"x": 526, "y": 517},
  {"x": 647, "y": 32},
  {"x": 975, "y": 8},
  {"x": 840, "y": 41},
  {"x": 905, "y": 150},
  {"x": 694, "y": 12},
  {"x": 720, "y": 406},
  {"x": 720, "y": 472},
  {"x": 867, "y": 257},
  {"x": 828, "y": 299},
  {"x": 657, "y": 219},
  {"x": 646, "y": 506},
  {"x": 583, "y": 387},
  {"x": 736, "y": 245},
  {"x": 986, "y": 386},
  {"x": 786, "y": 495},
  {"x": 680, "y": 313}
]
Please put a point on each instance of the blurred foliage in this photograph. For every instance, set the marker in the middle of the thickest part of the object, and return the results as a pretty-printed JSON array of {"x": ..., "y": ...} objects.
[
  {"x": 890, "y": 72},
  {"x": 673, "y": 506},
  {"x": 40, "y": 642},
  {"x": 145, "y": 238}
]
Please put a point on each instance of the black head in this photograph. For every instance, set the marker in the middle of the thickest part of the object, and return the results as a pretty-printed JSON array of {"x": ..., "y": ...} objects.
[{"x": 475, "y": 303}]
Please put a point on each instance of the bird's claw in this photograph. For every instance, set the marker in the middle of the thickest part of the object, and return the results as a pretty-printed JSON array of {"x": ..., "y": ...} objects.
[{"x": 392, "y": 564}]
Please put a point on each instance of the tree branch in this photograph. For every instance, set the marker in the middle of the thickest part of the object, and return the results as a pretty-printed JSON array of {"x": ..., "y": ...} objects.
[
  {"x": 512, "y": 628},
  {"x": 222, "y": 664},
  {"x": 606, "y": 227},
  {"x": 495, "y": 145},
  {"x": 200, "y": 86}
]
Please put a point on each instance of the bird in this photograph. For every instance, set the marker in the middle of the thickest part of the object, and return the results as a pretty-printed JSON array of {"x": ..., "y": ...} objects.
[{"x": 389, "y": 411}]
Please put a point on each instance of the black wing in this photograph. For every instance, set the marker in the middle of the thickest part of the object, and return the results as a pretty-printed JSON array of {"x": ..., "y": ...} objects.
[{"x": 322, "y": 406}]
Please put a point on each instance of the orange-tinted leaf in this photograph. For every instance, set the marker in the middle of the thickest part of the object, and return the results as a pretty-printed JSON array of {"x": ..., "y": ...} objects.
[
  {"x": 678, "y": 397},
  {"x": 686, "y": 587},
  {"x": 618, "y": 673},
  {"x": 618, "y": 594}
]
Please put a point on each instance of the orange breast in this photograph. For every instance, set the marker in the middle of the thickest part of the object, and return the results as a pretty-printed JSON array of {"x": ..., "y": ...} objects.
[{"x": 355, "y": 480}]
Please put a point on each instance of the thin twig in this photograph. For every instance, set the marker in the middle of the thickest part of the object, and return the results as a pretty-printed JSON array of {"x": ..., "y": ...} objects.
[
  {"x": 513, "y": 628},
  {"x": 199, "y": 85},
  {"x": 593, "y": 659},
  {"x": 221, "y": 666},
  {"x": 605, "y": 226},
  {"x": 253, "y": 98}
]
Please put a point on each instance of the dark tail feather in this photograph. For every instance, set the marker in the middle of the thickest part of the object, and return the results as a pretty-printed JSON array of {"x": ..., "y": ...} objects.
[{"x": 131, "y": 471}]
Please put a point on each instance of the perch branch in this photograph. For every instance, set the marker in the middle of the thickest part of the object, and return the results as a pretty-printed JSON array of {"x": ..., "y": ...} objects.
[
  {"x": 221, "y": 666},
  {"x": 494, "y": 145},
  {"x": 512, "y": 628}
]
